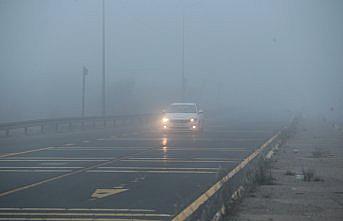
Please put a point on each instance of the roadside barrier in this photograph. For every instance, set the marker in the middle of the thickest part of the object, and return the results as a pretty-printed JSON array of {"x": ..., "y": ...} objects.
[
  {"x": 72, "y": 123},
  {"x": 214, "y": 199}
]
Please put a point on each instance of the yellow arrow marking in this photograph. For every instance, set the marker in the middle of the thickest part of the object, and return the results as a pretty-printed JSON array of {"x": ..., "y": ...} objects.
[{"x": 101, "y": 193}]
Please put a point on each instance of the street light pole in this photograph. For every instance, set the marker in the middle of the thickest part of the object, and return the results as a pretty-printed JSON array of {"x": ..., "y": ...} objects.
[
  {"x": 84, "y": 74},
  {"x": 183, "y": 56},
  {"x": 103, "y": 61}
]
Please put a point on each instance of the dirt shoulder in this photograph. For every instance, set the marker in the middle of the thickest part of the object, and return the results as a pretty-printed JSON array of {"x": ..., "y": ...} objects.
[{"x": 315, "y": 153}]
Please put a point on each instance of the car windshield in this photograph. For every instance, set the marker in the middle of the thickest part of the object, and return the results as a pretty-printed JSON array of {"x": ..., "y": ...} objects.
[{"x": 181, "y": 109}]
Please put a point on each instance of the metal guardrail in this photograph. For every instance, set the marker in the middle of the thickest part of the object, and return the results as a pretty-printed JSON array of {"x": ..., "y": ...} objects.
[{"x": 81, "y": 122}]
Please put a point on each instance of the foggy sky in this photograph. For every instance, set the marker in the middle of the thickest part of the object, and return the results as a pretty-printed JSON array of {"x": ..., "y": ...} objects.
[{"x": 273, "y": 55}]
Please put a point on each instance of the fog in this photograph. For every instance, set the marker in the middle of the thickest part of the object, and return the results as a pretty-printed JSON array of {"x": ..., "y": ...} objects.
[{"x": 271, "y": 56}]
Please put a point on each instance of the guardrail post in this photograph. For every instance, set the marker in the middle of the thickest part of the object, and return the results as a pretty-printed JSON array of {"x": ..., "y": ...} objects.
[
  {"x": 7, "y": 132},
  {"x": 26, "y": 130},
  {"x": 56, "y": 127}
]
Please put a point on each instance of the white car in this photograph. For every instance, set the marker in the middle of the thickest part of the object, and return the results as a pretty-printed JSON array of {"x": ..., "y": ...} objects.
[{"x": 182, "y": 117}]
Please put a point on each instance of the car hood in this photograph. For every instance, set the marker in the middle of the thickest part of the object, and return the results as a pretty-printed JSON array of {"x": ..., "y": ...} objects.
[{"x": 180, "y": 116}]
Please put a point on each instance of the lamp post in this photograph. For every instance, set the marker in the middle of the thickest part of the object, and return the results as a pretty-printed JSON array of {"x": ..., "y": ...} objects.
[
  {"x": 183, "y": 56},
  {"x": 103, "y": 61},
  {"x": 84, "y": 74}
]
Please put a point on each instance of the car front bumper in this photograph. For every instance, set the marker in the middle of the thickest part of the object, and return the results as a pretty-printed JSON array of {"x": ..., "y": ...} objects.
[{"x": 180, "y": 127}]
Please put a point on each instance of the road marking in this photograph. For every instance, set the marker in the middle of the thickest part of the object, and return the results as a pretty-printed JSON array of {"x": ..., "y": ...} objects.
[
  {"x": 28, "y": 186},
  {"x": 181, "y": 139},
  {"x": 118, "y": 170},
  {"x": 101, "y": 193},
  {"x": 73, "y": 219},
  {"x": 174, "y": 148},
  {"x": 94, "y": 147},
  {"x": 69, "y": 144},
  {"x": 52, "y": 160},
  {"x": 25, "y": 152},
  {"x": 178, "y": 161},
  {"x": 53, "y": 163},
  {"x": 217, "y": 158},
  {"x": 63, "y": 158},
  {"x": 40, "y": 167},
  {"x": 247, "y": 131},
  {"x": 207, "y": 149},
  {"x": 102, "y": 139},
  {"x": 147, "y": 159},
  {"x": 77, "y": 209},
  {"x": 162, "y": 168},
  {"x": 98, "y": 149},
  {"x": 191, "y": 208},
  {"x": 174, "y": 158},
  {"x": 34, "y": 171},
  {"x": 151, "y": 171},
  {"x": 83, "y": 214}
]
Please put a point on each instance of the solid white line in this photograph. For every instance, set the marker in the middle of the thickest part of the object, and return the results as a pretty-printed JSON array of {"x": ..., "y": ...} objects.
[
  {"x": 98, "y": 148},
  {"x": 64, "y": 158},
  {"x": 179, "y": 161},
  {"x": 41, "y": 167},
  {"x": 51, "y": 160},
  {"x": 161, "y": 168},
  {"x": 72, "y": 219},
  {"x": 34, "y": 171},
  {"x": 82, "y": 214},
  {"x": 149, "y": 171},
  {"x": 77, "y": 209},
  {"x": 206, "y": 149}
]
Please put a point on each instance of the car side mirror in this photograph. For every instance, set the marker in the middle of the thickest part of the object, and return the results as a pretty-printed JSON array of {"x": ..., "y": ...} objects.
[{"x": 201, "y": 111}]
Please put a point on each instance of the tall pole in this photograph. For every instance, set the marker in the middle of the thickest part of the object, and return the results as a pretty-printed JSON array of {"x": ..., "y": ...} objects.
[
  {"x": 103, "y": 61},
  {"x": 84, "y": 73},
  {"x": 183, "y": 56}
]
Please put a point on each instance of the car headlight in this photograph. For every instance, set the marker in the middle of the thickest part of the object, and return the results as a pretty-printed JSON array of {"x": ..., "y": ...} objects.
[
  {"x": 192, "y": 119},
  {"x": 165, "y": 120}
]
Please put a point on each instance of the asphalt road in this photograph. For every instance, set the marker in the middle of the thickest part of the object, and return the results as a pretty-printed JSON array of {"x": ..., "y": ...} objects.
[{"x": 119, "y": 175}]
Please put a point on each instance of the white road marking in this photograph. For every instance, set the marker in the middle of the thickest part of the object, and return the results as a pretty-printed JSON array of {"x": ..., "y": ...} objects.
[
  {"x": 34, "y": 171},
  {"x": 151, "y": 171}
]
